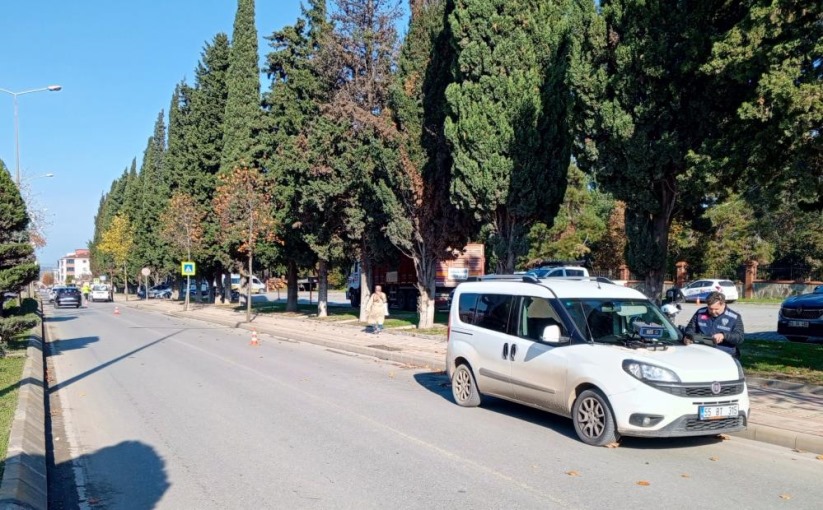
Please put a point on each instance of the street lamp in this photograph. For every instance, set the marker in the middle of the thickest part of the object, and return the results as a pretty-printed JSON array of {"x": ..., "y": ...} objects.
[{"x": 50, "y": 88}]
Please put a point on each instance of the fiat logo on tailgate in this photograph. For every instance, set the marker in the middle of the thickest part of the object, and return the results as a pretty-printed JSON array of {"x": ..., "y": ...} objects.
[{"x": 716, "y": 388}]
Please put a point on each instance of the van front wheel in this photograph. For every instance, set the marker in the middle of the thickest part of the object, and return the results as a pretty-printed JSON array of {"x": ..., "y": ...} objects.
[
  {"x": 593, "y": 419},
  {"x": 464, "y": 389}
]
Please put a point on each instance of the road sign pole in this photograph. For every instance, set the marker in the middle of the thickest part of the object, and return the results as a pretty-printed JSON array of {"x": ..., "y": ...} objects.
[{"x": 188, "y": 291}]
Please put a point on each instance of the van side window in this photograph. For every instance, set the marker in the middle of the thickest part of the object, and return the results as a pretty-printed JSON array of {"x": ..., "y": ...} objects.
[
  {"x": 535, "y": 314},
  {"x": 493, "y": 312},
  {"x": 467, "y": 304}
]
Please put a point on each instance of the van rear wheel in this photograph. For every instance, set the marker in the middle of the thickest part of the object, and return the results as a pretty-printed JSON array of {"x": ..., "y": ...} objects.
[
  {"x": 593, "y": 419},
  {"x": 464, "y": 388}
]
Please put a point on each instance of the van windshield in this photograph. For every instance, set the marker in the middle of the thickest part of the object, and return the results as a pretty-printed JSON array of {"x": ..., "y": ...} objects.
[{"x": 620, "y": 322}]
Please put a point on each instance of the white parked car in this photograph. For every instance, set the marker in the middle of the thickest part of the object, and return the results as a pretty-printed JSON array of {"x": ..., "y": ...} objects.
[
  {"x": 700, "y": 289},
  {"x": 598, "y": 353},
  {"x": 560, "y": 272},
  {"x": 53, "y": 292},
  {"x": 100, "y": 293}
]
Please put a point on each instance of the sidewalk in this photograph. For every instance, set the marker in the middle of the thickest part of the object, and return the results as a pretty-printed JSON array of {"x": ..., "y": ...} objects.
[{"x": 782, "y": 413}]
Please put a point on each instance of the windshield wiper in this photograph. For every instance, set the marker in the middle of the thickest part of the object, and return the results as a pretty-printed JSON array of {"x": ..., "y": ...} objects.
[{"x": 635, "y": 342}]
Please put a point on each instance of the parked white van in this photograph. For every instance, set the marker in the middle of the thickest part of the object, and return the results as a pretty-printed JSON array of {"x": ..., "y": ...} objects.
[
  {"x": 599, "y": 353},
  {"x": 257, "y": 287}
]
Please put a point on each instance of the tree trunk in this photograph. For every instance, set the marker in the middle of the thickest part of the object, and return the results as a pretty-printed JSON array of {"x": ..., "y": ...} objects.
[
  {"x": 508, "y": 243},
  {"x": 365, "y": 283},
  {"x": 291, "y": 277},
  {"x": 426, "y": 267},
  {"x": 322, "y": 288},
  {"x": 248, "y": 290}
]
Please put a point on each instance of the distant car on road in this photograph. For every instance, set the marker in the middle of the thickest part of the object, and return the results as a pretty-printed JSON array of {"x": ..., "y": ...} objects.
[
  {"x": 68, "y": 296},
  {"x": 160, "y": 291},
  {"x": 700, "y": 289},
  {"x": 53, "y": 292},
  {"x": 100, "y": 293},
  {"x": 801, "y": 317}
]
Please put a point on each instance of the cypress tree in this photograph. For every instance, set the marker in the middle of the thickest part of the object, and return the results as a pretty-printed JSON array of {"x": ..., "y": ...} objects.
[
  {"x": 242, "y": 118},
  {"x": 292, "y": 104},
  {"x": 509, "y": 116},
  {"x": 423, "y": 223}
]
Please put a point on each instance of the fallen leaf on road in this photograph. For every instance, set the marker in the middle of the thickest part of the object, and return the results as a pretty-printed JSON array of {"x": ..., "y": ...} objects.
[
  {"x": 785, "y": 496},
  {"x": 685, "y": 475},
  {"x": 613, "y": 445},
  {"x": 713, "y": 459},
  {"x": 723, "y": 437},
  {"x": 819, "y": 457},
  {"x": 644, "y": 483},
  {"x": 572, "y": 473}
]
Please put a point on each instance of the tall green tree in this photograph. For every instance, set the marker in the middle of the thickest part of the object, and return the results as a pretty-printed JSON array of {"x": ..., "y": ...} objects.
[
  {"x": 580, "y": 223},
  {"x": 770, "y": 64},
  {"x": 644, "y": 108},
  {"x": 153, "y": 192},
  {"x": 241, "y": 123},
  {"x": 206, "y": 120},
  {"x": 297, "y": 91},
  {"x": 509, "y": 109},
  {"x": 18, "y": 266},
  {"x": 423, "y": 223},
  {"x": 352, "y": 145}
]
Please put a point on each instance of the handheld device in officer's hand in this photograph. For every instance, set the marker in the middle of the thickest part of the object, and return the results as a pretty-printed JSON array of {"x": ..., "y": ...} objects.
[{"x": 703, "y": 339}]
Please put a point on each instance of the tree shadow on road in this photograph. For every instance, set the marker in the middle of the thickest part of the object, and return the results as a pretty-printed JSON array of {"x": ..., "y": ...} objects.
[
  {"x": 127, "y": 475},
  {"x": 71, "y": 344},
  {"x": 112, "y": 361}
]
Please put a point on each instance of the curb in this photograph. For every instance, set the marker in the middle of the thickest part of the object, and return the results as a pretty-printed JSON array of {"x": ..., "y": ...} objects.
[
  {"x": 397, "y": 357},
  {"x": 756, "y": 432},
  {"x": 25, "y": 483},
  {"x": 799, "y": 441}
]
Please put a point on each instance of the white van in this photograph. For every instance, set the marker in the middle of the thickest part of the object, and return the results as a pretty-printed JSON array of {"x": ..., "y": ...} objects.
[
  {"x": 257, "y": 287},
  {"x": 599, "y": 353}
]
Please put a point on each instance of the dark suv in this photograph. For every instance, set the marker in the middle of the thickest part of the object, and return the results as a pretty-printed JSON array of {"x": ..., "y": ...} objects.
[{"x": 70, "y": 296}]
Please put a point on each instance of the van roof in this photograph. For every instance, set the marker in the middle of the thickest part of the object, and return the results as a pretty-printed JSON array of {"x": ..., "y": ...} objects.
[{"x": 562, "y": 287}]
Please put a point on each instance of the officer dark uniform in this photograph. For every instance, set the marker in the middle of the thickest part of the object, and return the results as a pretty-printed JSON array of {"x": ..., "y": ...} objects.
[{"x": 728, "y": 323}]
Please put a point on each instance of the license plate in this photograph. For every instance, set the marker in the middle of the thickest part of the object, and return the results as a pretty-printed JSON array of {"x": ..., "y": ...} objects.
[
  {"x": 798, "y": 324},
  {"x": 717, "y": 412}
]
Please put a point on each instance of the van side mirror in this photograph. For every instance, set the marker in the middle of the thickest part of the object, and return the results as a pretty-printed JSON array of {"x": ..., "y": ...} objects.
[{"x": 551, "y": 334}]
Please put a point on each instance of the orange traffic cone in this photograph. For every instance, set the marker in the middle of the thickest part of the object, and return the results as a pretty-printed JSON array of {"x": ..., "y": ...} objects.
[
  {"x": 116, "y": 311},
  {"x": 254, "y": 340}
]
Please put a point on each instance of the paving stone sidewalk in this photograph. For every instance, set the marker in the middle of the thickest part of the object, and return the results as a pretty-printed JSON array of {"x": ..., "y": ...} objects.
[{"x": 782, "y": 413}]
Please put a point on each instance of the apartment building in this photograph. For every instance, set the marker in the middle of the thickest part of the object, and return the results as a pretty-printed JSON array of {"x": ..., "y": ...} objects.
[{"x": 74, "y": 266}]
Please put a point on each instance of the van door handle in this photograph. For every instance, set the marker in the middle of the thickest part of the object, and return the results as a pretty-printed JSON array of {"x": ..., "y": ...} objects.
[
  {"x": 512, "y": 352},
  {"x": 505, "y": 350}
]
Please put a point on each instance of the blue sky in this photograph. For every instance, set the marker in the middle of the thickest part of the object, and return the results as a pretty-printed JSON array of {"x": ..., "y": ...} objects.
[{"x": 118, "y": 63}]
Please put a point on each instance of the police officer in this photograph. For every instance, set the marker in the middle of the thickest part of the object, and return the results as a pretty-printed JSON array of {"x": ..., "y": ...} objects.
[{"x": 719, "y": 322}]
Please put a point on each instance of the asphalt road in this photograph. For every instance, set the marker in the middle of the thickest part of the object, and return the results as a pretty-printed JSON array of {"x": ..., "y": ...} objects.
[{"x": 158, "y": 412}]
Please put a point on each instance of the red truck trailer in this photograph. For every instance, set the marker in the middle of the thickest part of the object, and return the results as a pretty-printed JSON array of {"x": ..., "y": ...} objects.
[{"x": 399, "y": 279}]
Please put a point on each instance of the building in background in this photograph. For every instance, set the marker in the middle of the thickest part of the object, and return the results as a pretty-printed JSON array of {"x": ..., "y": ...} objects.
[{"x": 74, "y": 267}]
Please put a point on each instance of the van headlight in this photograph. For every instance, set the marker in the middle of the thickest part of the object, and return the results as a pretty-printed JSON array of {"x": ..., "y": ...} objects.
[
  {"x": 649, "y": 373},
  {"x": 740, "y": 373}
]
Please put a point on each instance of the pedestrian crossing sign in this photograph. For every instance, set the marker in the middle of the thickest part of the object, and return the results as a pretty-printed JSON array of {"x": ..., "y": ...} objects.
[{"x": 188, "y": 268}]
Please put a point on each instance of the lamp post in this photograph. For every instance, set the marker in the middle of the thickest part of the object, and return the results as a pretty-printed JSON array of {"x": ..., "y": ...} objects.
[{"x": 50, "y": 88}]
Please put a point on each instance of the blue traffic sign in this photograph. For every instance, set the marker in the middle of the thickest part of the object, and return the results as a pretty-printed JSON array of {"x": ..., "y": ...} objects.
[{"x": 188, "y": 268}]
